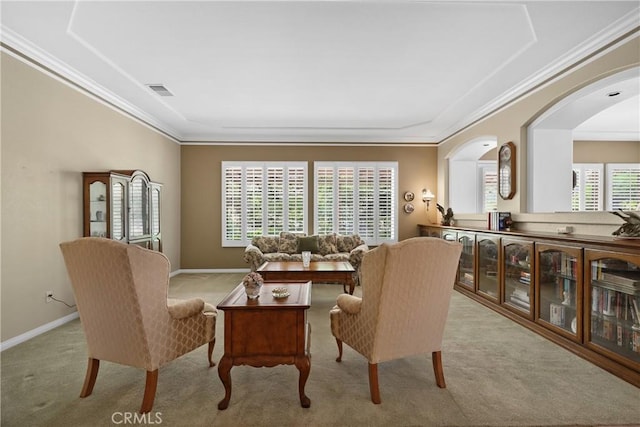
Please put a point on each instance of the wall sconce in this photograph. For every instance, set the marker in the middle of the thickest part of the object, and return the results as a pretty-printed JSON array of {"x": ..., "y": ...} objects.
[{"x": 427, "y": 196}]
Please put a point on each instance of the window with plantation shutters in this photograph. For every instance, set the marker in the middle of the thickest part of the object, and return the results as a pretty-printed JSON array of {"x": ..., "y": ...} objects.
[
  {"x": 262, "y": 198},
  {"x": 623, "y": 186},
  {"x": 488, "y": 190},
  {"x": 356, "y": 197},
  {"x": 587, "y": 193}
]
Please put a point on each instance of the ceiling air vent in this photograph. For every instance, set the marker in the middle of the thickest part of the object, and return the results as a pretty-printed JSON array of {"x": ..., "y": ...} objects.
[{"x": 159, "y": 89}]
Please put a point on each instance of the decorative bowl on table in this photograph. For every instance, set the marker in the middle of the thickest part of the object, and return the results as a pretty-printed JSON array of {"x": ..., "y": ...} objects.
[{"x": 280, "y": 292}]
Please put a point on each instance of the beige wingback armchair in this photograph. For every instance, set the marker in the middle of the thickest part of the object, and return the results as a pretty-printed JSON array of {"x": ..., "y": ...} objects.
[
  {"x": 406, "y": 288},
  {"x": 121, "y": 295}
]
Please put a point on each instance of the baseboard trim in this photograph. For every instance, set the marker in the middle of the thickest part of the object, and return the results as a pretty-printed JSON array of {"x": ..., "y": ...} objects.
[
  {"x": 11, "y": 342},
  {"x": 209, "y": 270}
]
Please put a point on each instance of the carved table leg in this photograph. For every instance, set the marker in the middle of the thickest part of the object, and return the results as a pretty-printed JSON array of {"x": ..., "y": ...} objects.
[
  {"x": 304, "y": 366},
  {"x": 224, "y": 372}
]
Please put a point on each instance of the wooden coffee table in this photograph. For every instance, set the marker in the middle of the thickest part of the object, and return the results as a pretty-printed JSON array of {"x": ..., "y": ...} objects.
[
  {"x": 318, "y": 271},
  {"x": 266, "y": 332}
]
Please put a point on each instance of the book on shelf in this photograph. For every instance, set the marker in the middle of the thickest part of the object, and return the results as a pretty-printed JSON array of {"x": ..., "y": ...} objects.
[
  {"x": 556, "y": 314},
  {"x": 498, "y": 220},
  {"x": 624, "y": 278}
]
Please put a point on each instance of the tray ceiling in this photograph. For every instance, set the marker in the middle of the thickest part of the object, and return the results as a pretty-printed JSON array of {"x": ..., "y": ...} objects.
[{"x": 324, "y": 71}]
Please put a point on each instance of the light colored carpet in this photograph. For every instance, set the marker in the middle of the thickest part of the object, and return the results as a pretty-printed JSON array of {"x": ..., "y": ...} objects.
[{"x": 497, "y": 373}]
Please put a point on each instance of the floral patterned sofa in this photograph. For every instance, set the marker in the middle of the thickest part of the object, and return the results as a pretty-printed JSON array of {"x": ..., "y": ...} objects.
[{"x": 288, "y": 247}]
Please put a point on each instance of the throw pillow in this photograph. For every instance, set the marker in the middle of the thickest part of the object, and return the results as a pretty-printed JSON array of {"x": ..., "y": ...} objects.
[
  {"x": 308, "y": 244},
  {"x": 327, "y": 244},
  {"x": 266, "y": 244},
  {"x": 289, "y": 242},
  {"x": 348, "y": 243}
]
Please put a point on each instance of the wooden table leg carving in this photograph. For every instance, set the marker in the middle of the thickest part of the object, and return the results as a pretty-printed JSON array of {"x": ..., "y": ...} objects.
[
  {"x": 224, "y": 372},
  {"x": 304, "y": 366}
]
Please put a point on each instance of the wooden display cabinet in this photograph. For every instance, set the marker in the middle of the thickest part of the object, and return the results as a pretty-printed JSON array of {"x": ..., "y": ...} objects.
[
  {"x": 543, "y": 281},
  {"x": 123, "y": 206},
  {"x": 612, "y": 305},
  {"x": 488, "y": 270},
  {"x": 517, "y": 281},
  {"x": 558, "y": 289}
]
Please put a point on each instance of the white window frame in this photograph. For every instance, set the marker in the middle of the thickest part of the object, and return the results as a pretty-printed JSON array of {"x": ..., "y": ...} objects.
[
  {"x": 240, "y": 198},
  {"x": 610, "y": 169},
  {"x": 373, "y": 235},
  {"x": 581, "y": 184}
]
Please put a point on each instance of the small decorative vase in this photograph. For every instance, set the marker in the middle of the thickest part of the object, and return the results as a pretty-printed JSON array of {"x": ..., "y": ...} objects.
[{"x": 252, "y": 289}]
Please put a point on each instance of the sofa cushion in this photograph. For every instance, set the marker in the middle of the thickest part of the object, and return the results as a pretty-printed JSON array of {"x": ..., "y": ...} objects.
[
  {"x": 309, "y": 243},
  {"x": 266, "y": 244},
  {"x": 277, "y": 256},
  {"x": 347, "y": 243},
  {"x": 327, "y": 244},
  {"x": 289, "y": 242}
]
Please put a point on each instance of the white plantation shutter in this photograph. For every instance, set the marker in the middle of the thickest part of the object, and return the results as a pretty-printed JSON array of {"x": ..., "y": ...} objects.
[
  {"x": 366, "y": 207},
  {"x": 623, "y": 186},
  {"x": 262, "y": 198},
  {"x": 275, "y": 200},
  {"x": 356, "y": 198},
  {"x": 232, "y": 202},
  {"x": 325, "y": 200},
  {"x": 386, "y": 217},
  {"x": 296, "y": 198},
  {"x": 253, "y": 202},
  {"x": 489, "y": 186},
  {"x": 346, "y": 201},
  {"x": 587, "y": 195}
]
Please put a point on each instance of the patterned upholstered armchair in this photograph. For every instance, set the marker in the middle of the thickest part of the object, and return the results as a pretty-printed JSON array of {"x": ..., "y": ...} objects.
[
  {"x": 406, "y": 289},
  {"x": 121, "y": 295}
]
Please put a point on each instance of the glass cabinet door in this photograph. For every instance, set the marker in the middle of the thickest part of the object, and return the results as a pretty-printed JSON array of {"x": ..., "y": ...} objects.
[
  {"x": 118, "y": 209},
  {"x": 612, "y": 307},
  {"x": 156, "y": 242},
  {"x": 488, "y": 273},
  {"x": 98, "y": 209},
  {"x": 517, "y": 289},
  {"x": 139, "y": 226},
  {"x": 559, "y": 275},
  {"x": 467, "y": 261}
]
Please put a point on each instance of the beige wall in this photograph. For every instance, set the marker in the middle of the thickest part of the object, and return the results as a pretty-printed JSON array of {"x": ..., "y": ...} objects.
[
  {"x": 201, "y": 191},
  {"x": 606, "y": 151},
  {"x": 510, "y": 124},
  {"x": 50, "y": 134}
]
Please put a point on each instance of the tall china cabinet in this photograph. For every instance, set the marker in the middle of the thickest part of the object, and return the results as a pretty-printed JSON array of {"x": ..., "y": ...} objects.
[
  {"x": 581, "y": 292},
  {"x": 122, "y": 205}
]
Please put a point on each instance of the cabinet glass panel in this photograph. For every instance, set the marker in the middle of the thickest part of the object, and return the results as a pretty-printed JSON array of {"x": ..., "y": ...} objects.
[
  {"x": 118, "y": 217},
  {"x": 449, "y": 235},
  {"x": 615, "y": 307},
  {"x": 155, "y": 211},
  {"x": 98, "y": 209},
  {"x": 139, "y": 208},
  {"x": 488, "y": 250},
  {"x": 465, "y": 266},
  {"x": 558, "y": 289},
  {"x": 517, "y": 276}
]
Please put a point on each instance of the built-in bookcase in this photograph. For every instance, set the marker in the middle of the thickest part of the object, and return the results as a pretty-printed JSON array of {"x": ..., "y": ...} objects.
[{"x": 581, "y": 292}]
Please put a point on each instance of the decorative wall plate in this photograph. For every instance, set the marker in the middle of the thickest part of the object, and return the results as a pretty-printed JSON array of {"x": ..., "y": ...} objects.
[
  {"x": 408, "y": 196},
  {"x": 408, "y": 207}
]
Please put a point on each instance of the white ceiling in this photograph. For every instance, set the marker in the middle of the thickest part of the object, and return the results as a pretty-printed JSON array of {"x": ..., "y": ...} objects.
[{"x": 304, "y": 71}]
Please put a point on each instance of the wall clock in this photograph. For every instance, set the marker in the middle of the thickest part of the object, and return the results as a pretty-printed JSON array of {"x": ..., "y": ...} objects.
[{"x": 507, "y": 170}]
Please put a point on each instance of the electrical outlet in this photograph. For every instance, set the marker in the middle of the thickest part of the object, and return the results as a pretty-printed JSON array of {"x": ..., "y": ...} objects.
[{"x": 49, "y": 296}]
